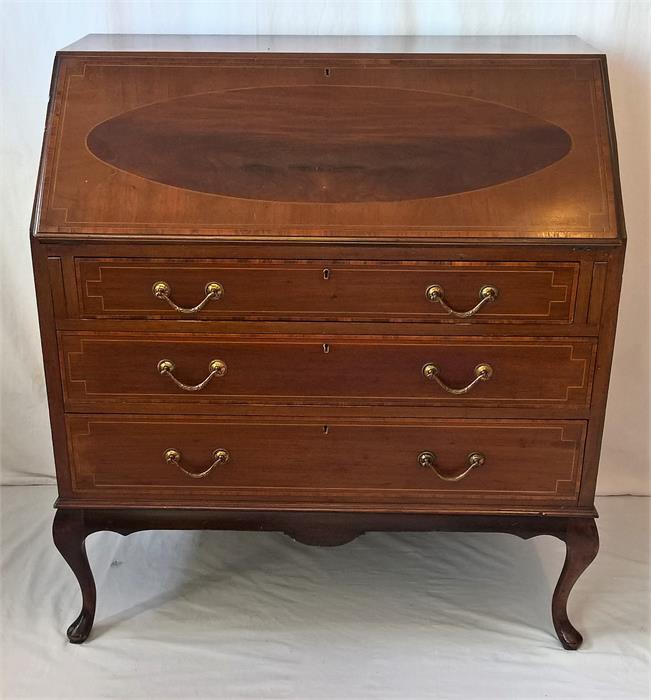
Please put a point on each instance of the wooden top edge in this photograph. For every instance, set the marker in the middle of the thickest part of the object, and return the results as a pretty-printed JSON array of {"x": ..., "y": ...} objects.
[
  {"x": 577, "y": 242},
  {"x": 375, "y": 45}
]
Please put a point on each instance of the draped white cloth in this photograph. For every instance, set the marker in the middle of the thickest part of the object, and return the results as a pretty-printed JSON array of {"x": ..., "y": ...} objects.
[
  {"x": 232, "y": 615},
  {"x": 247, "y": 615}
]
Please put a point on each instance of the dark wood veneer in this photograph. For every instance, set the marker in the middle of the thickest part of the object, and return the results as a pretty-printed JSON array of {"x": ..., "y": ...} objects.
[
  {"x": 393, "y": 290},
  {"x": 365, "y": 462},
  {"x": 328, "y": 143},
  {"x": 325, "y": 184},
  {"x": 527, "y": 372},
  {"x": 82, "y": 194}
]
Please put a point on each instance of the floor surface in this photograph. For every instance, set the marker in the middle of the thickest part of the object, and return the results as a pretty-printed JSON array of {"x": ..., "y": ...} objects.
[{"x": 247, "y": 615}]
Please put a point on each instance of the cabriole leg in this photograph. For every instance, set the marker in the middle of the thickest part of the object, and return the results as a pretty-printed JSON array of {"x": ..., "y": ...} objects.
[
  {"x": 582, "y": 545},
  {"x": 69, "y": 533}
]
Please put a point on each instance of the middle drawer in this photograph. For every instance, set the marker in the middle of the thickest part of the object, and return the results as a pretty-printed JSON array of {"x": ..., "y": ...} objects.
[{"x": 192, "y": 368}]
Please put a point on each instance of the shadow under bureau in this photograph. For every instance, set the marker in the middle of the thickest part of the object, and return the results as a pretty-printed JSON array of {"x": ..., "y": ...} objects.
[{"x": 328, "y": 285}]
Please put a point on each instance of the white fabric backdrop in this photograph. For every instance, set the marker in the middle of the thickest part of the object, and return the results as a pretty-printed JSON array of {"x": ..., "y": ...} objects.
[{"x": 33, "y": 31}]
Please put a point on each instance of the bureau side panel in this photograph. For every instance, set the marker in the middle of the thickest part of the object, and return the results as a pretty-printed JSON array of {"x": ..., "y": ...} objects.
[
  {"x": 604, "y": 301},
  {"x": 50, "y": 295}
]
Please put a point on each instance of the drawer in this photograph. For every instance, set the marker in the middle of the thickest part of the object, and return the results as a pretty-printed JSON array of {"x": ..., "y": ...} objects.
[
  {"x": 305, "y": 369},
  {"x": 285, "y": 462},
  {"x": 526, "y": 292}
]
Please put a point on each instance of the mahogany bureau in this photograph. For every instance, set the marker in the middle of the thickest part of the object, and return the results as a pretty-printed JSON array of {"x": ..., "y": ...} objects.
[{"x": 330, "y": 285}]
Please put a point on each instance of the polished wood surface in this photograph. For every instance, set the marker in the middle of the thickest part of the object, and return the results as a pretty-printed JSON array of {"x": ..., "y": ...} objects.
[
  {"x": 525, "y": 372},
  {"x": 535, "y": 292},
  {"x": 582, "y": 546},
  {"x": 266, "y": 146},
  {"x": 325, "y": 185},
  {"x": 328, "y": 144},
  {"x": 342, "y": 464}
]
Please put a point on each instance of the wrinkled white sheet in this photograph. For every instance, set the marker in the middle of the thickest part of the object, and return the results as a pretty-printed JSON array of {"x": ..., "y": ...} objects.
[{"x": 243, "y": 615}]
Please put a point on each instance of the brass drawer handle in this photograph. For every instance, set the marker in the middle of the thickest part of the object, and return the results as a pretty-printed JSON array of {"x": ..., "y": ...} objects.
[
  {"x": 473, "y": 460},
  {"x": 162, "y": 290},
  {"x": 172, "y": 456},
  {"x": 486, "y": 294},
  {"x": 217, "y": 368},
  {"x": 483, "y": 373}
]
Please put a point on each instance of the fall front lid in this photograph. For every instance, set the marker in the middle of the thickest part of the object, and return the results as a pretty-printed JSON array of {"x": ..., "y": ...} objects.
[{"x": 250, "y": 145}]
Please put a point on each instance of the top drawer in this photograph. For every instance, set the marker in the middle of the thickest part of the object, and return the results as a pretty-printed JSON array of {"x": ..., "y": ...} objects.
[{"x": 452, "y": 292}]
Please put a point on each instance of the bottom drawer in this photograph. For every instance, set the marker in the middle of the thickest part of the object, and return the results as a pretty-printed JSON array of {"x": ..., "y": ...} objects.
[{"x": 294, "y": 463}]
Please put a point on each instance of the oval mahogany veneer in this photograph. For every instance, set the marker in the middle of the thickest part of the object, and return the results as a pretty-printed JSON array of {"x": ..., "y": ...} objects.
[{"x": 328, "y": 143}]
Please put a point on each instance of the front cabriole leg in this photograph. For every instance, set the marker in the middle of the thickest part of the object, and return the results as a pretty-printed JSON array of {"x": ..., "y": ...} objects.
[
  {"x": 69, "y": 533},
  {"x": 582, "y": 544}
]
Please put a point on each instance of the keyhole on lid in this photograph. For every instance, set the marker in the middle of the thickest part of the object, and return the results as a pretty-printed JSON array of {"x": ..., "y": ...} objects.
[
  {"x": 326, "y": 72},
  {"x": 326, "y": 348},
  {"x": 326, "y": 429},
  {"x": 326, "y": 273}
]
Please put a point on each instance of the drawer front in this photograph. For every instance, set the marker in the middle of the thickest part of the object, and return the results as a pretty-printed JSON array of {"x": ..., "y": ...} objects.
[
  {"x": 281, "y": 462},
  {"x": 527, "y": 292},
  {"x": 413, "y": 370}
]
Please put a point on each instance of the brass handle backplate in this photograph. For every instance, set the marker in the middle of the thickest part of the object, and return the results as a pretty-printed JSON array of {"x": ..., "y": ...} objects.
[
  {"x": 473, "y": 460},
  {"x": 487, "y": 294},
  {"x": 483, "y": 372},
  {"x": 217, "y": 368},
  {"x": 172, "y": 456},
  {"x": 213, "y": 291}
]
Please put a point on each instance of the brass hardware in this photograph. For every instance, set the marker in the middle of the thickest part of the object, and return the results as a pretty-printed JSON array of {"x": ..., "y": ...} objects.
[
  {"x": 213, "y": 291},
  {"x": 473, "y": 460},
  {"x": 427, "y": 459},
  {"x": 486, "y": 294},
  {"x": 220, "y": 456},
  {"x": 326, "y": 273},
  {"x": 217, "y": 368},
  {"x": 483, "y": 372},
  {"x": 165, "y": 366},
  {"x": 326, "y": 348},
  {"x": 161, "y": 289}
]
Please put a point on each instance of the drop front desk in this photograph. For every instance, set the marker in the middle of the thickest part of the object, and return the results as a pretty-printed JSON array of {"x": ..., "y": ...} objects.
[{"x": 325, "y": 286}]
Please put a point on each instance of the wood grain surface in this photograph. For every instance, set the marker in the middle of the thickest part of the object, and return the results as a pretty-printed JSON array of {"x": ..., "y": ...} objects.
[
  {"x": 305, "y": 463},
  {"x": 535, "y": 292},
  {"x": 327, "y": 147}
]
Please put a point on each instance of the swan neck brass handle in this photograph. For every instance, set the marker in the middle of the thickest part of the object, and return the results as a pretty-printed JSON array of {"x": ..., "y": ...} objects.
[
  {"x": 217, "y": 368},
  {"x": 473, "y": 460},
  {"x": 172, "y": 456},
  {"x": 483, "y": 372},
  {"x": 487, "y": 294},
  {"x": 213, "y": 291}
]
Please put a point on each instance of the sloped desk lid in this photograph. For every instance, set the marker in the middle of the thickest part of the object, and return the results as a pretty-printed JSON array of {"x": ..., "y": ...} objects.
[{"x": 230, "y": 144}]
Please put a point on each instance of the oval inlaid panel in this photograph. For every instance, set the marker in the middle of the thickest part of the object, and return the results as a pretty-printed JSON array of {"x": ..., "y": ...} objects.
[{"x": 328, "y": 143}]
